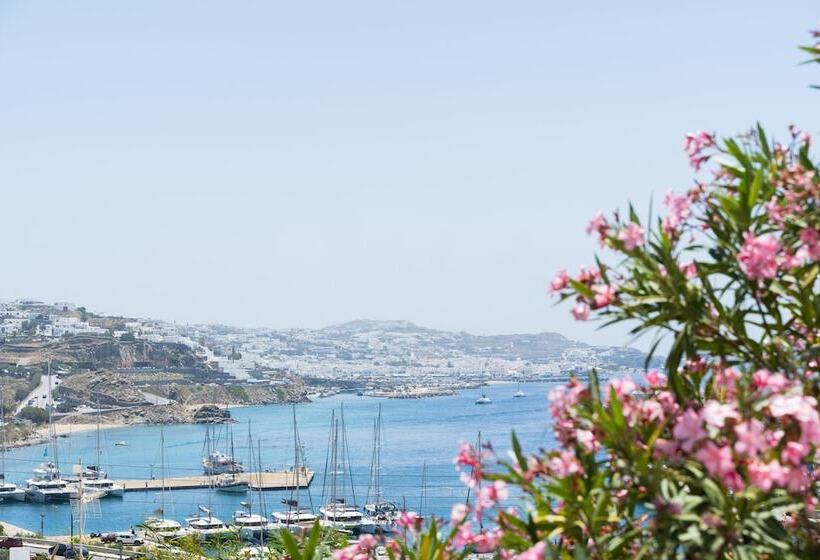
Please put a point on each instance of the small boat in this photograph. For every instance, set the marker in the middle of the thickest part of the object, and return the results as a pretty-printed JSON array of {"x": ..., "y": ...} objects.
[
  {"x": 121, "y": 443},
  {"x": 9, "y": 492},
  {"x": 249, "y": 525},
  {"x": 219, "y": 463},
  {"x": 228, "y": 483},
  {"x": 105, "y": 487},
  {"x": 165, "y": 528},
  {"x": 519, "y": 394},
  {"x": 206, "y": 526},
  {"x": 483, "y": 399}
]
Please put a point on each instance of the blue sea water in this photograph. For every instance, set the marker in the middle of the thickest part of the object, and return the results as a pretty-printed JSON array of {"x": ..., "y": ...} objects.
[{"x": 413, "y": 432}]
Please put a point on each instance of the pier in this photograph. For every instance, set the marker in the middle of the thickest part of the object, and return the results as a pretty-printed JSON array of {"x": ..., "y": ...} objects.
[{"x": 268, "y": 480}]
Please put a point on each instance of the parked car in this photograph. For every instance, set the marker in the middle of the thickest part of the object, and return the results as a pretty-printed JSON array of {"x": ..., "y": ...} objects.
[
  {"x": 11, "y": 542},
  {"x": 67, "y": 551},
  {"x": 124, "y": 537}
]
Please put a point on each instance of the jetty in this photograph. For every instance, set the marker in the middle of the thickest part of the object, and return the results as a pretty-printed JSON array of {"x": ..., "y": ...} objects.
[{"x": 268, "y": 480}]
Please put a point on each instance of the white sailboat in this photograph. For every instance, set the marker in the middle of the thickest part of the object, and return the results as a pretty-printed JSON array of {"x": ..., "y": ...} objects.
[
  {"x": 46, "y": 484},
  {"x": 250, "y": 526},
  {"x": 384, "y": 513},
  {"x": 9, "y": 492},
  {"x": 337, "y": 512},
  {"x": 207, "y": 526},
  {"x": 520, "y": 393},
  {"x": 483, "y": 399},
  {"x": 295, "y": 518},
  {"x": 158, "y": 524},
  {"x": 94, "y": 478},
  {"x": 229, "y": 483}
]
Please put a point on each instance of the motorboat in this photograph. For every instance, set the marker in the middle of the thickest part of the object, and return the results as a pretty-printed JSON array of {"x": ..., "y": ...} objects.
[
  {"x": 345, "y": 517},
  {"x": 294, "y": 519},
  {"x": 9, "y": 492},
  {"x": 104, "y": 486},
  {"x": 206, "y": 526},
  {"x": 228, "y": 483},
  {"x": 250, "y": 525},
  {"x": 217, "y": 462},
  {"x": 121, "y": 443},
  {"x": 167, "y": 529}
]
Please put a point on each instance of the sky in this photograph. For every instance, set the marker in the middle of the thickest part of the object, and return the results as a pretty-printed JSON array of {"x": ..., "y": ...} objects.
[{"x": 299, "y": 164}]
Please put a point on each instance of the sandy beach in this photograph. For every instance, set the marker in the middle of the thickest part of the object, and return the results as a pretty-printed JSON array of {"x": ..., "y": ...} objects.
[{"x": 68, "y": 429}]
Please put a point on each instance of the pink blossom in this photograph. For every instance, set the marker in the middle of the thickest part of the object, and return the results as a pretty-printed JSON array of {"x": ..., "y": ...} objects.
[
  {"x": 715, "y": 413},
  {"x": 599, "y": 225},
  {"x": 679, "y": 211},
  {"x": 765, "y": 475},
  {"x": 750, "y": 440},
  {"x": 586, "y": 439},
  {"x": 622, "y": 387},
  {"x": 605, "y": 294},
  {"x": 758, "y": 256},
  {"x": 407, "y": 520},
  {"x": 655, "y": 379},
  {"x": 717, "y": 459},
  {"x": 689, "y": 429},
  {"x": 580, "y": 311},
  {"x": 560, "y": 282},
  {"x": 810, "y": 431},
  {"x": 794, "y": 452},
  {"x": 467, "y": 456},
  {"x": 664, "y": 448},
  {"x": 632, "y": 236},
  {"x": 564, "y": 464},
  {"x": 486, "y": 542},
  {"x": 764, "y": 379},
  {"x": 459, "y": 513},
  {"x": 651, "y": 410},
  {"x": 810, "y": 238},
  {"x": 490, "y": 495},
  {"x": 694, "y": 142},
  {"x": 726, "y": 379},
  {"x": 798, "y": 406},
  {"x": 797, "y": 480},
  {"x": 689, "y": 269},
  {"x": 536, "y": 552}
]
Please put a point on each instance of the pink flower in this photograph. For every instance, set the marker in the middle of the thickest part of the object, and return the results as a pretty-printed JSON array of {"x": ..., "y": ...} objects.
[
  {"x": 689, "y": 269},
  {"x": 490, "y": 495},
  {"x": 689, "y": 429},
  {"x": 564, "y": 464},
  {"x": 486, "y": 542},
  {"x": 467, "y": 456},
  {"x": 560, "y": 282},
  {"x": 622, "y": 387},
  {"x": 655, "y": 379},
  {"x": 678, "y": 207},
  {"x": 764, "y": 379},
  {"x": 765, "y": 475},
  {"x": 536, "y": 552},
  {"x": 599, "y": 225},
  {"x": 726, "y": 379},
  {"x": 715, "y": 414},
  {"x": 665, "y": 448},
  {"x": 810, "y": 238},
  {"x": 586, "y": 439},
  {"x": 632, "y": 236},
  {"x": 796, "y": 479},
  {"x": 459, "y": 513},
  {"x": 794, "y": 452},
  {"x": 694, "y": 142},
  {"x": 800, "y": 407},
  {"x": 750, "y": 440},
  {"x": 758, "y": 256},
  {"x": 407, "y": 520},
  {"x": 605, "y": 294},
  {"x": 580, "y": 311},
  {"x": 717, "y": 460}
]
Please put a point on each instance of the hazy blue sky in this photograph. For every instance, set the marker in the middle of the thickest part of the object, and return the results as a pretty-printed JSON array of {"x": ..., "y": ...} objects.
[{"x": 304, "y": 163}]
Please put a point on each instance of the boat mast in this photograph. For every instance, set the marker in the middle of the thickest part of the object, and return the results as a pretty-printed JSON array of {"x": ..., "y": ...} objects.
[
  {"x": 423, "y": 501},
  {"x": 3, "y": 423},
  {"x": 162, "y": 468},
  {"x": 346, "y": 457},
  {"x": 52, "y": 432},
  {"x": 295, "y": 463}
]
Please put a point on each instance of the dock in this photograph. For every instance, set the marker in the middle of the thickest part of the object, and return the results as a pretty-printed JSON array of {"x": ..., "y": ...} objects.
[{"x": 268, "y": 480}]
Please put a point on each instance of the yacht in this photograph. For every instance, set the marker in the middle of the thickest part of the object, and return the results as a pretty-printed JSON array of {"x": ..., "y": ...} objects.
[
  {"x": 104, "y": 486},
  {"x": 250, "y": 525},
  {"x": 47, "y": 486},
  {"x": 344, "y": 517},
  {"x": 483, "y": 399},
  {"x": 519, "y": 394},
  {"x": 9, "y": 492},
  {"x": 230, "y": 484},
  {"x": 206, "y": 526},
  {"x": 218, "y": 463},
  {"x": 295, "y": 518},
  {"x": 383, "y": 513},
  {"x": 165, "y": 528}
]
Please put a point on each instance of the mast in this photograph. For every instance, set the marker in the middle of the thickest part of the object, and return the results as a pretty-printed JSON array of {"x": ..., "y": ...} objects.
[
  {"x": 3, "y": 443},
  {"x": 346, "y": 457},
  {"x": 295, "y": 462},
  {"x": 99, "y": 450},
  {"x": 52, "y": 432},
  {"x": 162, "y": 467},
  {"x": 423, "y": 501}
]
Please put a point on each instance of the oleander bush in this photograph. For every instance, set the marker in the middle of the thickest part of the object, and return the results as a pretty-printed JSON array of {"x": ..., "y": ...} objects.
[{"x": 714, "y": 456}]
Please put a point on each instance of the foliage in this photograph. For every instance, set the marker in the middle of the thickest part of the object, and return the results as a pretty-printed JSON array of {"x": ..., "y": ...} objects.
[{"x": 34, "y": 414}]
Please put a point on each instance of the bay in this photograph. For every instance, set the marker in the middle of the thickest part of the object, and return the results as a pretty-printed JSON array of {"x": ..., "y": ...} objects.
[{"x": 413, "y": 432}]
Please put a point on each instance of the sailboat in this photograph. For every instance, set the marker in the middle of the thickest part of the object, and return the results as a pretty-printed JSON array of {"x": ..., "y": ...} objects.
[
  {"x": 207, "y": 526},
  {"x": 336, "y": 512},
  {"x": 229, "y": 482},
  {"x": 9, "y": 492},
  {"x": 383, "y": 513},
  {"x": 158, "y": 524},
  {"x": 520, "y": 393},
  {"x": 95, "y": 479},
  {"x": 295, "y": 518},
  {"x": 483, "y": 399},
  {"x": 252, "y": 526},
  {"x": 46, "y": 484}
]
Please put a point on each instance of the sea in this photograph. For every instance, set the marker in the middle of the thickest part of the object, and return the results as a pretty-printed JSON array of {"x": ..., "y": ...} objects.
[{"x": 419, "y": 440}]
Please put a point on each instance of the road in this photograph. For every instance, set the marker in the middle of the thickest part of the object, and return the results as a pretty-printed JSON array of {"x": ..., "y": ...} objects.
[
  {"x": 155, "y": 399},
  {"x": 38, "y": 393}
]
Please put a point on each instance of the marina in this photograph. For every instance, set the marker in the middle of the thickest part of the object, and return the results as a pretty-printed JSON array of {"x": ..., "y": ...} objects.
[{"x": 380, "y": 471}]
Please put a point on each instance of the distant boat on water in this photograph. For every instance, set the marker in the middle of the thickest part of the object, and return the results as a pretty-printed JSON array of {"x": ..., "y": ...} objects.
[
  {"x": 121, "y": 443},
  {"x": 520, "y": 393},
  {"x": 483, "y": 399}
]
